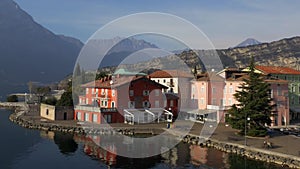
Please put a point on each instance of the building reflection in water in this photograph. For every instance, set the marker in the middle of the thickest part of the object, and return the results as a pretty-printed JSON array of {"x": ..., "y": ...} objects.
[
  {"x": 209, "y": 157},
  {"x": 64, "y": 141},
  {"x": 106, "y": 154}
]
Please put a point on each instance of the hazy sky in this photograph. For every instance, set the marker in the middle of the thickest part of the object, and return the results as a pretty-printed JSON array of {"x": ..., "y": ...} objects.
[{"x": 225, "y": 22}]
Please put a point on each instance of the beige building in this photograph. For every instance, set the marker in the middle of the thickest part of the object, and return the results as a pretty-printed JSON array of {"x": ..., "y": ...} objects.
[{"x": 56, "y": 113}]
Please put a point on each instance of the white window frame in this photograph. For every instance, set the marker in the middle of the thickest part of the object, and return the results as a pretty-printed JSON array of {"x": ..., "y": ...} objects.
[
  {"x": 146, "y": 104},
  {"x": 95, "y": 118},
  {"x": 131, "y": 104},
  {"x": 146, "y": 92},
  {"x": 171, "y": 103},
  {"x": 78, "y": 114},
  {"x": 113, "y": 104},
  {"x": 86, "y": 117},
  {"x": 131, "y": 92}
]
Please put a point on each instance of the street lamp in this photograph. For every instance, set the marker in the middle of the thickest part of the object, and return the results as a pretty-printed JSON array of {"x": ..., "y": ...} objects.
[{"x": 246, "y": 119}]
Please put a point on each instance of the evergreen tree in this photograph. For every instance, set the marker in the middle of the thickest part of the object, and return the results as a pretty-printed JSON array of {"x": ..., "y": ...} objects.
[{"x": 254, "y": 108}]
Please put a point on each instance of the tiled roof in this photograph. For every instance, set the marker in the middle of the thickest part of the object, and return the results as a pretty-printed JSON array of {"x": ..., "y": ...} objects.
[
  {"x": 277, "y": 70},
  {"x": 170, "y": 74}
]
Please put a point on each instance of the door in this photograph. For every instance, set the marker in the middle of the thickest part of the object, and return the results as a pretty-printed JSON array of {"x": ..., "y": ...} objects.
[
  {"x": 65, "y": 115},
  {"x": 108, "y": 118}
]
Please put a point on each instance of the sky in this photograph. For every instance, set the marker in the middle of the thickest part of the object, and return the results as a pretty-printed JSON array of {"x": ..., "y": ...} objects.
[{"x": 224, "y": 23}]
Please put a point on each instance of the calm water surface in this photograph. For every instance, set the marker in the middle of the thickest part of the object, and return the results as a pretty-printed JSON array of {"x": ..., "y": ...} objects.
[{"x": 32, "y": 149}]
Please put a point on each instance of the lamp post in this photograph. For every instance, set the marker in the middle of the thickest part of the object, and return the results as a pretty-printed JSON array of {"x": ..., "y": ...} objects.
[{"x": 246, "y": 122}]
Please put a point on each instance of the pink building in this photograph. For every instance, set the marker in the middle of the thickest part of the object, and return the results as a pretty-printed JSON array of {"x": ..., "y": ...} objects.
[{"x": 214, "y": 92}]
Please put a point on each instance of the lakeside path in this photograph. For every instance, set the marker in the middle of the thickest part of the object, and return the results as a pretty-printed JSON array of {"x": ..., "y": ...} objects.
[{"x": 286, "y": 146}]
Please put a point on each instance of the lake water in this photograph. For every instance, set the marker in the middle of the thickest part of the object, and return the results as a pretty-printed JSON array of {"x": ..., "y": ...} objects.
[{"x": 32, "y": 149}]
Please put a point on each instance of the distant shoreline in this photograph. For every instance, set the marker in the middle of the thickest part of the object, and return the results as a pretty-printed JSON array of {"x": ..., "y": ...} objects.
[{"x": 21, "y": 117}]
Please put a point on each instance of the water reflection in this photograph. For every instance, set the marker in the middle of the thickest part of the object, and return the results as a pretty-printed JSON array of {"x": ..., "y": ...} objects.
[
  {"x": 181, "y": 156},
  {"x": 64, "y": 141}
]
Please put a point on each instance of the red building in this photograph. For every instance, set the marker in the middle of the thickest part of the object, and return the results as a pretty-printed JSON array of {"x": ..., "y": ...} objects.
[{"x": 113, "y": 98}]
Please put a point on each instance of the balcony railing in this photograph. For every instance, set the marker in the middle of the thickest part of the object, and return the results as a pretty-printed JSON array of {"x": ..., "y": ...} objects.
[
  {"x": 108, "y": 110},
  {"x": 88, "y": 108},
  {"x": 95, "y": 109}
]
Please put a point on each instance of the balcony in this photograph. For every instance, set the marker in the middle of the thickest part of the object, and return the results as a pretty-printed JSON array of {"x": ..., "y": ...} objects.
[
  {"x": 108, "y": 110},
  {"x": 91, "y": 108},
  {"x": 88, "y": 108}
]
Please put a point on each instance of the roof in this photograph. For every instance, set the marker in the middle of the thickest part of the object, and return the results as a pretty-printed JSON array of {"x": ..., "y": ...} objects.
[
  {"x": 238, "y": 77},
  {"x": 211, "y": 76},
  {"x": 117, "y": 82},
  {"x": 170, "y": 74},
  {"x": 277, "y": 70}
]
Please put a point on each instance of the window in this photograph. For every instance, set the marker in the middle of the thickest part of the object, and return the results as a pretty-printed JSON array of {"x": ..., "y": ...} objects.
[
  {"x": 112, "y": 104},
  {"x": 146, "y": 104},
  {"x": 229, "y": 102},
  {"x": 131, "y": 104},
  {"x": 156, "y": 104},
  {"x": 146, "y": 92},
  {"x": 221, "y": 102},
  {"x": 157, "y": 92},
  {"x": 103, "y": 103},
  {"x": 214, "y": 101},
  {"x": 97, "y": 91},
  {"x": 108, "y": 118},
  {"x": 102, "y": 92},
  {"x": 106, "y": 91},
  {"x": 95, "y": 118},
  {"x": 113, "y": 92},
  {"x": 293, "y": 88},
  {"x": 87, "y": 91},
  {"x": 224, "y": 102},
  {"x": 193, "y": 89},
  {"x": 213, "y": 90},
  {"x": 164, "y": 80},
  {"x": 202, "y": 101},
  {"x": 230, "y": 89},
  {"x": 157, "y": 81},
  {"x": 279, "y": 92},
  {"x": 87, "y": 101},
  {"x": 202, "y": 89},
  {"x": 293, "y": 100},
  {"x": 171, "y": 103},
  {"x": 47, "y": 112},
  {"x": 78, "y": 116},
  {"x": 86, "y": 117},
  {"x": 131, "y": 92},
  {"x": 271, "y": 93}
]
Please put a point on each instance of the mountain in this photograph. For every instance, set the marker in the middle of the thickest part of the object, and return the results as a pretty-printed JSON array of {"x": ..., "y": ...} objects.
[
  {"x": 285, "y": 52},
  {"x": 248, "y": 42},
  {"x": 28, "y": 51},
  {"x": 120, "y": 50}
]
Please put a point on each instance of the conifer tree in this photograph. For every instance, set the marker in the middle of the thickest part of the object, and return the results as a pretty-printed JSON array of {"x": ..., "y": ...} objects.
[{"x": 254, "y": 105}]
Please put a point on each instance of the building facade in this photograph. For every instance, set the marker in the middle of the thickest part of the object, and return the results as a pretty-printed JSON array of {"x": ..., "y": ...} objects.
[
  {"x": 293, "y": 78},
  {"x": 214, "y": 92},
  {"x": 112, "y": 99}
]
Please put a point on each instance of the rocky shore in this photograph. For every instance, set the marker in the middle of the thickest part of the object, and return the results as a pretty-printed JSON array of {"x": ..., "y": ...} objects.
[
  {"x": 249, "y": 152},
  {"x": 261, "y": 154}
]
